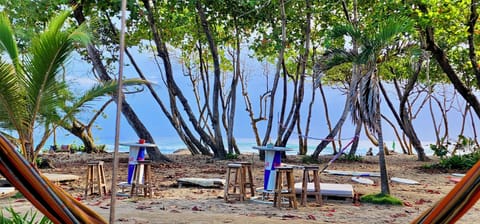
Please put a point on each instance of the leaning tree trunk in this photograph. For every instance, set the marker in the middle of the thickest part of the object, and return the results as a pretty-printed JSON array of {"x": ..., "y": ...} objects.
[
  {"x": 154, "y": 153},
  {"x": 353, "y": 85},
  {"x": 404, "y": 115},
  {"x": 80, "y": 131},
  {"x": 442, "y": 59},
  {"x": 220, "y": 152},
  {"x": 353, "y": 149},
  {"x": 329, "y": 138}
]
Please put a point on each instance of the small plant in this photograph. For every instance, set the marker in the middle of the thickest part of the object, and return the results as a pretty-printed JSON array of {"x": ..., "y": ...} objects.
[
  {"x": 231, "y": 156},
  {"x": 77, "y": 148},
  {"x": 381, "y": 199},
  {"x": 18, "y": 195},
  {"x": 309, "y": 160},
  {"x": 101, "y": 148},
  {"x": 352, "y": 158},
  {"x": 28, "y": 217}
]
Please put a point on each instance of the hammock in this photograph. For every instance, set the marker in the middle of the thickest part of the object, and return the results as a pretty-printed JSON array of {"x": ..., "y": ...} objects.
[
  {"x": 48, "y": 198},
  {"x": 457, "y": 202}
]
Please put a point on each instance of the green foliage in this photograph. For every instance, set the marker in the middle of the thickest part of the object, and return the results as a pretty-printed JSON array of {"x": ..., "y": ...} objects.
[
  {"x": 231, "y": 156},
  {"x": 16, "y": 217},
  {"x": 456, "y": 162},
  {"x": 381, "y": 199},
  {"x": 466, "y": 143},
  {"x": 439, "y": 150}
]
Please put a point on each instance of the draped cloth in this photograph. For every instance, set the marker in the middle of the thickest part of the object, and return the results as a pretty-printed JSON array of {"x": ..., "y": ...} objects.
[
  {"x": 457, "y": 202},
  {"x": 48, "y": 198}
]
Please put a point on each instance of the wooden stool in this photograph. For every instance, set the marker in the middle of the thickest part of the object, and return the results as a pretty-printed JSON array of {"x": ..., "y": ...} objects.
[
  {"x": 142, "y": 178},
  {"x": 280, "y": 191},
  {"x": 247, "y": 177},
  {"x": 100, "y": 178},
  {"x": 316, "y": 183},
  {"x": 237, "y": 170}
]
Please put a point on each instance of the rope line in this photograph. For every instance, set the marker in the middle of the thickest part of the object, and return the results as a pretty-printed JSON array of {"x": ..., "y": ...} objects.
[{"x": 339, "y": 153}]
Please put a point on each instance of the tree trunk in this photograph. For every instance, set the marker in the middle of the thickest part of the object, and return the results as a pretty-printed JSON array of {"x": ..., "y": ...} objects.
[
  {"x": 385, "y": 188},
  {"x": 404, "y": 120},
  {"x": 141, "y": 131},
  {"x": 175, "y": 94}
]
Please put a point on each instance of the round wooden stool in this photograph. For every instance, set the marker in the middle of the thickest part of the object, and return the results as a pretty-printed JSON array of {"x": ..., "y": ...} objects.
[
  {"x": 95, "y": 169},
  {"x": 314, "y": 170},
  {"x": 142, "y": 178},
  {"x": 284, "y": 191},
  {"x": 247, "y": 177},
  {"x": 231, "y": 185}
]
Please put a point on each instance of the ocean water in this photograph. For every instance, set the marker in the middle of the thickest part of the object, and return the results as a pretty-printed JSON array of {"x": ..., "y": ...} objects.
[{"x": 170, "y": 145}]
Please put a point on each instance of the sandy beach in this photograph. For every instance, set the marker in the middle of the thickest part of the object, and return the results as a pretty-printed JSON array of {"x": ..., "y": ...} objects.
[{"x": 186, "y": 204}]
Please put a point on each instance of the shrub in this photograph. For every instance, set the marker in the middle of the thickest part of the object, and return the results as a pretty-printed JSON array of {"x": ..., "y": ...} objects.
[{"x": 461, "y": 162}]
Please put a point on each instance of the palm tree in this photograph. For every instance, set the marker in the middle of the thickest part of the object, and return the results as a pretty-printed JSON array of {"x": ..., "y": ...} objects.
[
  {"x": 365, "y": 98},
  {"x": 31, "y": 90}
]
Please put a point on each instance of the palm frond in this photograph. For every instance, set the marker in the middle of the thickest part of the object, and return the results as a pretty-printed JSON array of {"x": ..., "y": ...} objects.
[
  {"x": 48, "y": 53},
  {"x": 7, "y": 40},
  {"x": 81, "y": 35},
  {"x": 334, "y": 57},
  {"x": 100, "y": 90},
  {"x": 345, "y": 30},
  {"x": 55, "y": 25},
  {"x": 369, "y": 99},
  {"x": 390, "y": 29},
  {"x": 12, "y": 102}
]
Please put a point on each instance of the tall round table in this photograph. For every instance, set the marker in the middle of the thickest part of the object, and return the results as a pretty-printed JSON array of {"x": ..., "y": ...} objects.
[
  {"x": 136, "y": 153},
  {"x": 273, "y": 159}
]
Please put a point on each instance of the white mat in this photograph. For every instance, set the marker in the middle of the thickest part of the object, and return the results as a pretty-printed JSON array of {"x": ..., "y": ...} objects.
[
  {"x": 352, "y": 173},
  {"x": 6, "y": 191},
  {"x": 403, "y": 180},
  {"x": 326, "y": 189},
  {"x": 59, "y": 177}
]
